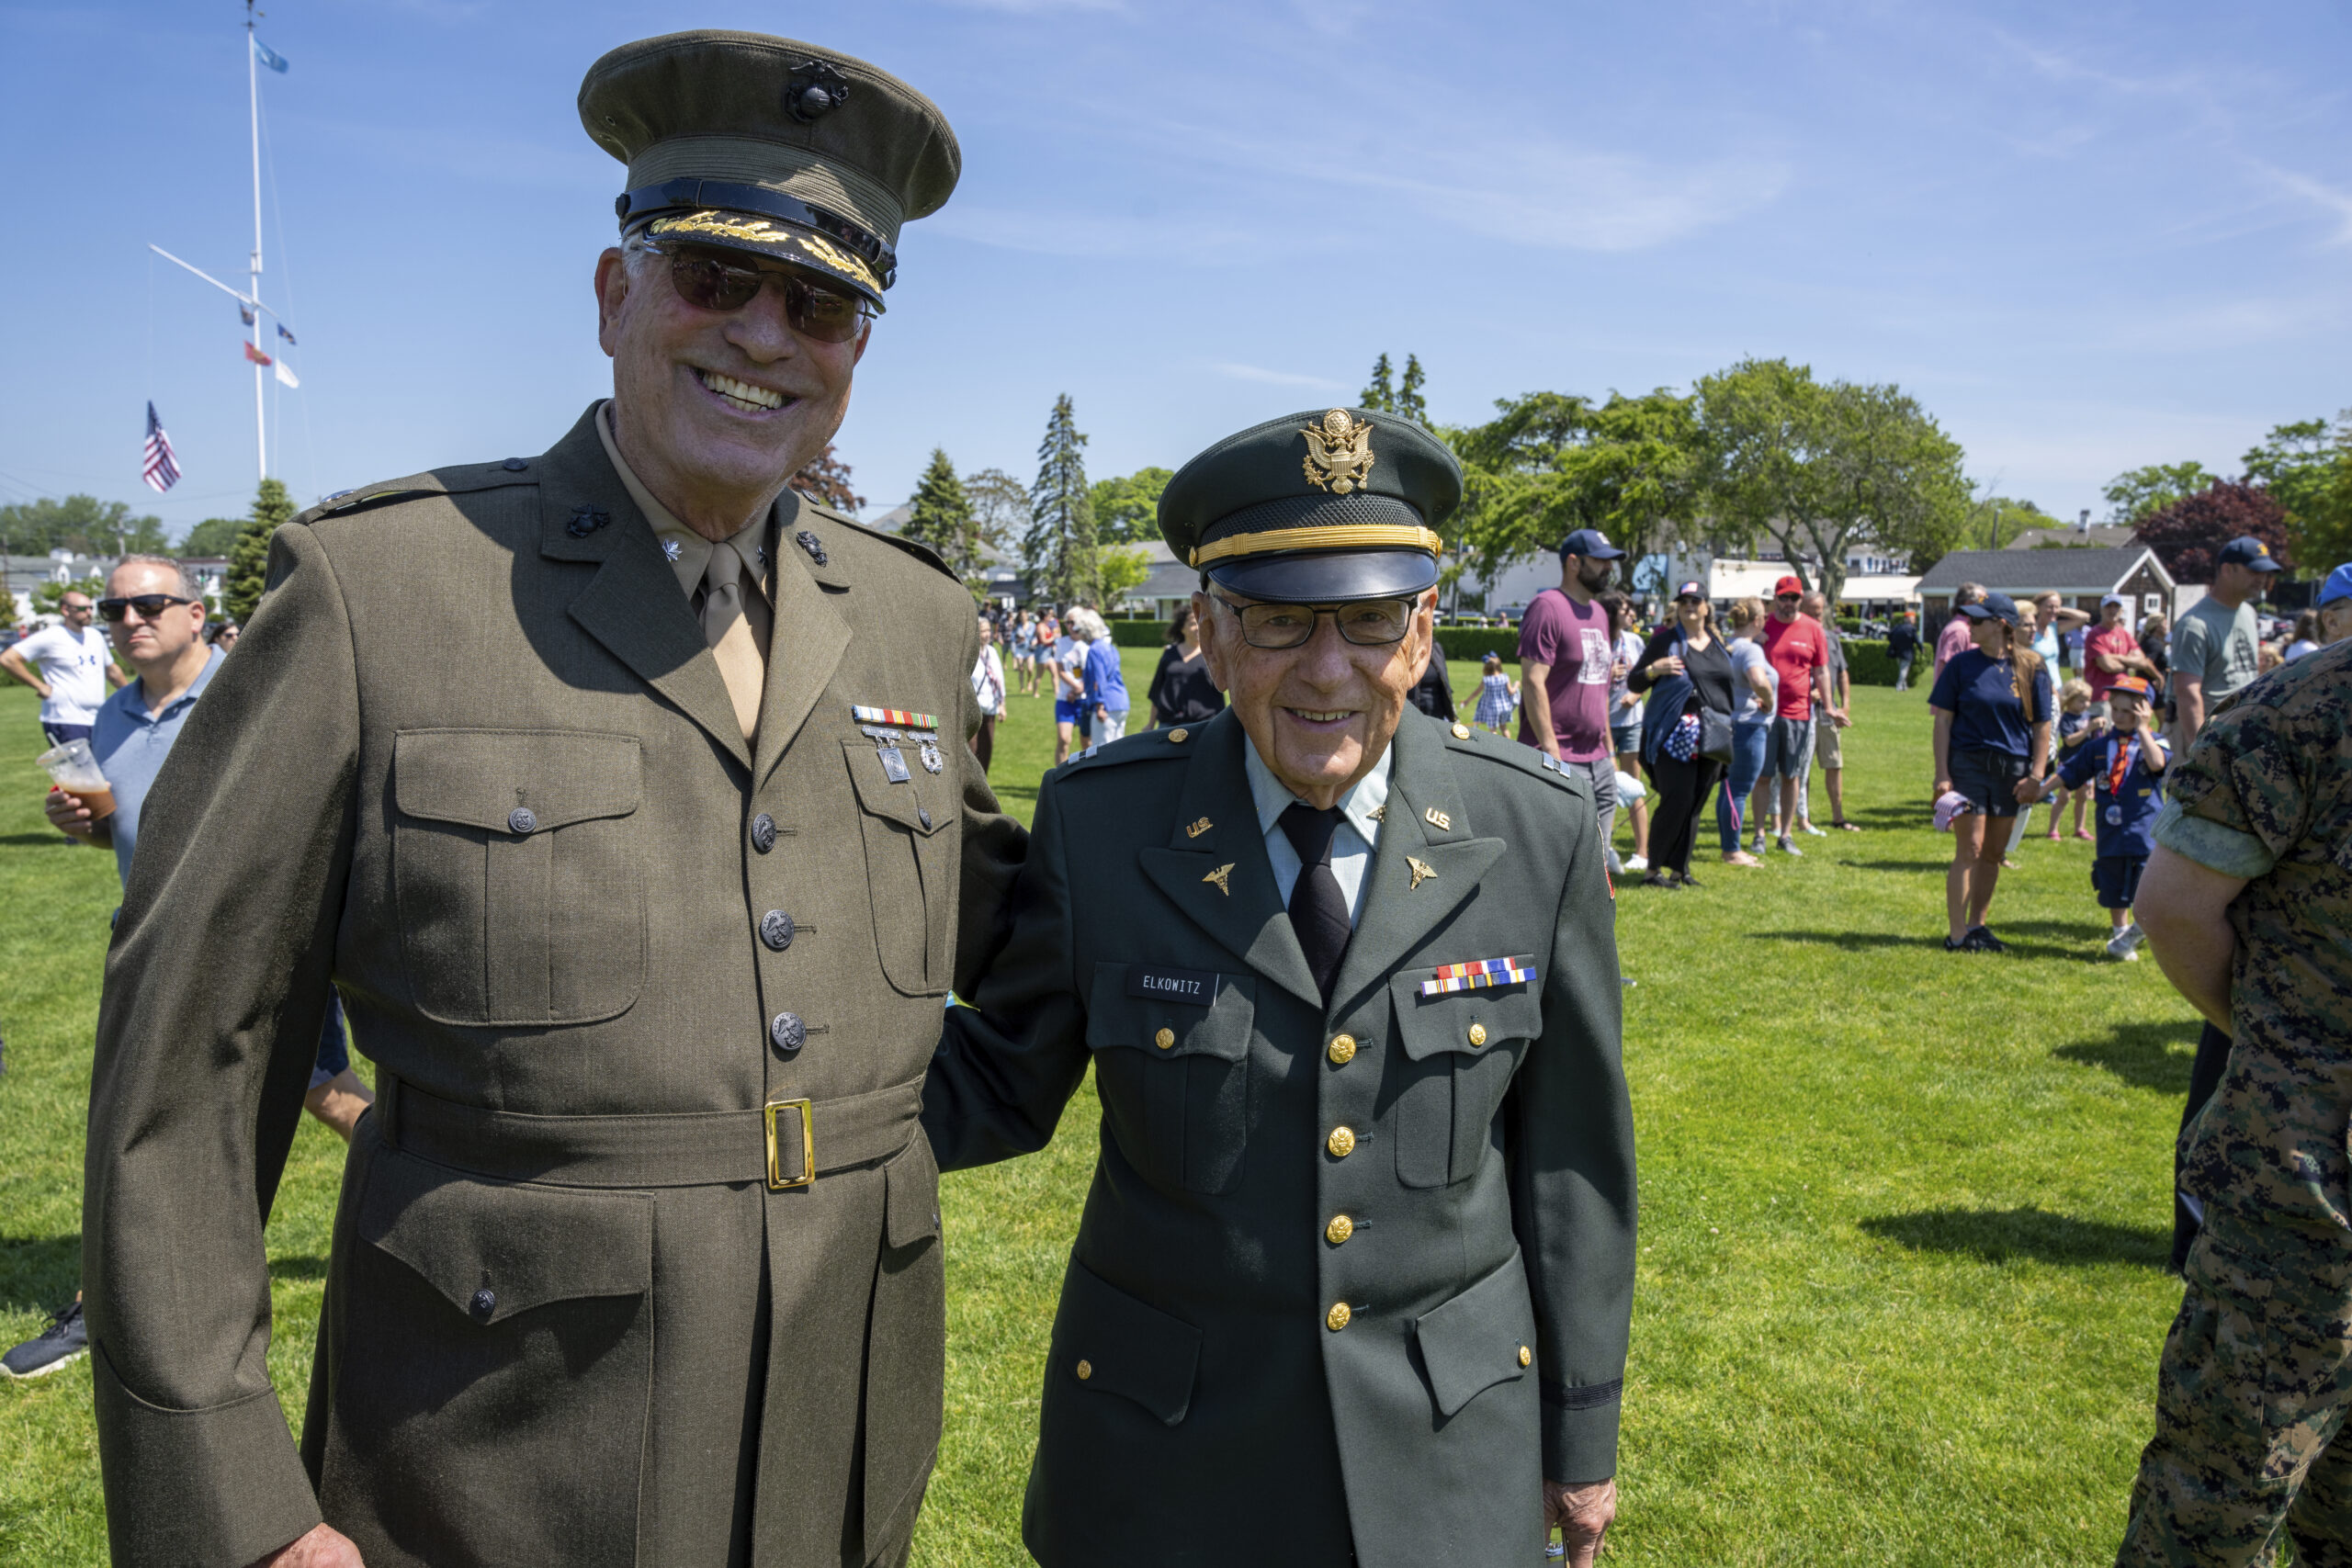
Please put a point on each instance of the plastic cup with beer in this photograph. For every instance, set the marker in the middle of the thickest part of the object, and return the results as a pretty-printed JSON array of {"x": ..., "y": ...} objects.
[{"x": 75, "y": 770}]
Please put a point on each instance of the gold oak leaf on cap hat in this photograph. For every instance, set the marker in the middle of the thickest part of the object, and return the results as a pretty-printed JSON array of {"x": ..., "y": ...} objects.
[
  {"x": 1318, "y": 507},
  {"x": 771, "y": 146}
]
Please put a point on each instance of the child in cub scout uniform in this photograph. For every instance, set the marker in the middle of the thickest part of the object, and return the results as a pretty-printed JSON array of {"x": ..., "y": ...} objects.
[
  {"x": 2128, "y": 767},
  {"x": 1355, "y": 1272}
]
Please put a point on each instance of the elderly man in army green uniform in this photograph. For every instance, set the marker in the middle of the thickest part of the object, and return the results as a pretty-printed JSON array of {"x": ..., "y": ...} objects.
[
  {"x": 2246, "y": 903},
  {"x": 1354, "y": 1277},
  {"x": 623, "y": 793}
]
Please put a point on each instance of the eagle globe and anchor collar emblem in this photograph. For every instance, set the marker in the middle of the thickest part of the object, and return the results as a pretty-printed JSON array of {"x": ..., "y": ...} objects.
[{"x": 1339, "y": 452}]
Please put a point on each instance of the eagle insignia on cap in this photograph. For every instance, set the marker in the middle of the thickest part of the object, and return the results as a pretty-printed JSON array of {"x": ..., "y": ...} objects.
[
  {"x": 1339, "y": 452},
  {"x": 815, "y": 91}
]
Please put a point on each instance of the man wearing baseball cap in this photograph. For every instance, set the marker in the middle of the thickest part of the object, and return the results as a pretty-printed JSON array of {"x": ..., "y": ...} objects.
[
  {"x": 2334, "y": 605},
  {"x": 2111, "y": 651},
  {"x": 1798, "y": 650},
  {"x": 1565, "y": 652}
]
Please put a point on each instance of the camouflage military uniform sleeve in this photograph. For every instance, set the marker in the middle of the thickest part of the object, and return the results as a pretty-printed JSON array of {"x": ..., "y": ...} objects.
[
  {"x": 994, "y": 846},
  {"x": 2240, "y": 788},
  {"x": 1571, "y": 1125},
  {"x": 1007, "y": 1064},
  {"x": 215, "y": 990}
]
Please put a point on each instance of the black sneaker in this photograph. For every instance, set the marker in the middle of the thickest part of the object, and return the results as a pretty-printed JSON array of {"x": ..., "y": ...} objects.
[
  {"x": 1659, "y": 880},
  {"x": 1960, "y": 946},
  {"x": 1688, "y": 881},
  {"x": 1980, "y": 939},
  {"x": 66, "y": 1339}
]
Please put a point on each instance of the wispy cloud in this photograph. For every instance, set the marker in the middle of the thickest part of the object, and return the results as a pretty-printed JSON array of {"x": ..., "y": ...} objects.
[
  {"x": 1089, "y": 234},
  {"x": 2335, "y": 203},
  {"x": 1275, "y": 377}
]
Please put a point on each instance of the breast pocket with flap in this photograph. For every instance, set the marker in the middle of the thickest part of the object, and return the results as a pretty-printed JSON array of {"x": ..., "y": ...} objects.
[
  {"x": 1460, "y": 1050},
  {"x": 519, "y": 874},
  {"x": 1172, "y": 1064},
  {"x": 910, "y": 864}
]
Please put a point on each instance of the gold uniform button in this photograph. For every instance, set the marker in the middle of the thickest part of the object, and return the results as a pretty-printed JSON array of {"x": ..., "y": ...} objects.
[
  {"x": 1086, "y": 1369},
  {"x": 1526, "y": 1356},
  {"x": 1342, "y": 1142},
  {"x": 1337, "y": 1318},
  {"x": 1164, "y": 1039},
  {"x": 1462, "y": 732},
  {"x": 1177, "y": 736},
  {"x": 1343, "y": 1050},
  {"x": 1339, "y": 1230},
  {"x": 1477, "y": 1034}
]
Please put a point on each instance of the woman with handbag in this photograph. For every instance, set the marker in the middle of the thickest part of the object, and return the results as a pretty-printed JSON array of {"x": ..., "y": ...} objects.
[
  {"x": 1992, "y": 709},
  {"x": 1685, "y": 670}
]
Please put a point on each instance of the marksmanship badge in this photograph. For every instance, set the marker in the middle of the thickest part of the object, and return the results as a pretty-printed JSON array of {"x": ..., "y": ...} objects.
[{"x": 1339, "y": 452}]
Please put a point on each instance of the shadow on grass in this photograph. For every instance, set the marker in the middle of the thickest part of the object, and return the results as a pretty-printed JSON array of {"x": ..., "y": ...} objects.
[
  {"x": 39, "y": 1273},
  {"x": 39, "y": 841},
  {"x": 1897, "y": 864},
  {"x": 2145, "y": 1056},
  {"x": 1997, "y": 1236},
  {"x": 298, "y": 1268},
  {"x": 1933, "y": 940}
]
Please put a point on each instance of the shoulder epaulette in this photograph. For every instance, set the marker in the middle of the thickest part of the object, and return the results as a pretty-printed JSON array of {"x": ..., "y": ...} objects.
[
  {"x": 923, "y": 553},
  {"x": 1153, "y": 745},
  {"x": 1507, "y": 752},
  {"x": 460, "y": 480}
]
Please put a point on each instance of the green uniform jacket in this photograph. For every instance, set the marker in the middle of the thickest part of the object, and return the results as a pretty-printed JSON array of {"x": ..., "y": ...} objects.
[
  {"x": 474, "y": 763},
  {"x": 1205, "y": 1403}
]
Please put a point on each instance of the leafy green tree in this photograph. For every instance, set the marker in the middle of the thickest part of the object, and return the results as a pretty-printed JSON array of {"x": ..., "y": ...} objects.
[
  {"x": 8, "y": 605},
  {"x": 942, "y": 517},
  {"x": 82, "y": 523},
  {"x": 1410, "y": 401},
  {"x": 1992, "y": 522},
  {"x": 999, "y": 509},
  {"x": 1059, "y": 548},
  {"x": 2307, "y": 468},
  {"x": 248, "y": 570},
  {"x": 213, "y": 536},
  {"x": 2136, "y": 492},
  {"x": 1127, "y": 509},
  {"x": 1122, "y": 567},
  {"x": 1379, "y": 392}
]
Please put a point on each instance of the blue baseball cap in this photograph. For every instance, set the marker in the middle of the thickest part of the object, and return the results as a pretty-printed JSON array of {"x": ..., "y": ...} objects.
[
  {"x": 1993, "y": 607},
  {"x": 2337, "y": 586},
  {"x": 2248, "y": 551},
  {"x": 1590, "y": 542}
]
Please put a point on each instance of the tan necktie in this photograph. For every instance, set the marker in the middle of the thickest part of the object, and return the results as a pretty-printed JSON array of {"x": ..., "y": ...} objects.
[{"x": 735, "y": 623}]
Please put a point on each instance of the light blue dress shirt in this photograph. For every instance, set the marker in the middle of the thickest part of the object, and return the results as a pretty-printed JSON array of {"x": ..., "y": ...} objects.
[
  {"x": 130, "y": 744},
  {"x": 1352, "y": 845}
]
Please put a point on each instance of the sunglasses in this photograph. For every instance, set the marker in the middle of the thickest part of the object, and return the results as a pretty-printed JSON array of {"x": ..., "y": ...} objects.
[
  {"x": 1786, "y": 598},
  {"x": 712, "y": 280},
  {"x": 1367, "y": 623},
  {"x": 149, "y": 606}
]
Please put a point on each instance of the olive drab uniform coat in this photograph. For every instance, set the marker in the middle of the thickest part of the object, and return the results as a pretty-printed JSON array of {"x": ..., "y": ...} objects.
[
  {"x": 473, "y": 763},
  {"x": 1352, "y": 1277}
]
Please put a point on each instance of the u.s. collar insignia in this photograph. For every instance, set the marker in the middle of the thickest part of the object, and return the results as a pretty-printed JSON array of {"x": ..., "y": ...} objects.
[
  {"x": 1422, "y": 871},
  {"x": 813, "y": 544},
  {"x": 1339, "y": 452},
  {"x": 1219, "y": 876},
  {"x": 586, "y": 520},
  {"x": 1437, "y": 819},
  {"x": 1197, "y": 829}
]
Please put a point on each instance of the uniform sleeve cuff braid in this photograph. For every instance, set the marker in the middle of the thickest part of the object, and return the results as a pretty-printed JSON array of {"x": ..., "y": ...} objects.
[{"x": 1581, "y": 1431}]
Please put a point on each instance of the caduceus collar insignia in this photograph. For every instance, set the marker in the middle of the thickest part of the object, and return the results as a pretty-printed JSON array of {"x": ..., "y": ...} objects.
[{"x": 1339, "y": 452}]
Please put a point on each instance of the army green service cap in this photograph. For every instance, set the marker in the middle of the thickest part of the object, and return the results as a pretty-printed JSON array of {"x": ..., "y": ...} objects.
[
  {"x": 762, "y": 145},
  {"x": 1316, "y": 507}
]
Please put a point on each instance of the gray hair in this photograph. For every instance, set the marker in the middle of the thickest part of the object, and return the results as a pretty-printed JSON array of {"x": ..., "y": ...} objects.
[
  {"x": 1967, "y": 593},
  {"x": 188, "y": 590}
]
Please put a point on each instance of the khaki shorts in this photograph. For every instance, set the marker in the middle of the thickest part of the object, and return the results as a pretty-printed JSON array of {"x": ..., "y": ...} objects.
[{"x": 1825, "y": 750}]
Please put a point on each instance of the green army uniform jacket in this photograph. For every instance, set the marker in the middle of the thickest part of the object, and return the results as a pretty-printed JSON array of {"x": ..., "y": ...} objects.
[
  {"x": 473, "y": 763},
  {"x": 1235, "y": 1375}
]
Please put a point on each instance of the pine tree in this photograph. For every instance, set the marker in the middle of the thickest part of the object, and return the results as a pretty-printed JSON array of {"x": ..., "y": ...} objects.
[
  {"x": 941, "y": 516},
  {"x": 1379, "y": 394},
  {"x": 249, "y": 556},
  {"x": 1410, "y": 401},
  {"x": 1059, "y": 547}
]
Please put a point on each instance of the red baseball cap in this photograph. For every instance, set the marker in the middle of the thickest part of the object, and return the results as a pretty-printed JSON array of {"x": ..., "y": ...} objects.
[{"x": 1787, "y": 585}]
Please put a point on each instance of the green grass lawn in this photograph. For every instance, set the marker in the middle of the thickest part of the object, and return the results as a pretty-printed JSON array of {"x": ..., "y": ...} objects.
[{"x": 1904, "y": 1212}]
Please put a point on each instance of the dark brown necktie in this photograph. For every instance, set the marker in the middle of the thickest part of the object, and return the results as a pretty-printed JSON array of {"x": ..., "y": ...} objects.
[{"x": 1318, "y": 911}]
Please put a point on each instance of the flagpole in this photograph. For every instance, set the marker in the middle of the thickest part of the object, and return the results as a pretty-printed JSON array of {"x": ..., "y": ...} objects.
[{"x": 253, "y": 95}]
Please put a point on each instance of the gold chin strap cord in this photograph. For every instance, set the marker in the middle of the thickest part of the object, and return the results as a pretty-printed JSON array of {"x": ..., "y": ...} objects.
[{"x": 1337, "y": 536}]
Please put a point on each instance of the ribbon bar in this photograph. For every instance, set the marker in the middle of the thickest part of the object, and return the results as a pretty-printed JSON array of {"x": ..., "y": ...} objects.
[
  {"x": 1478, "y": 973},
  {"x": 899, "y": 719}
]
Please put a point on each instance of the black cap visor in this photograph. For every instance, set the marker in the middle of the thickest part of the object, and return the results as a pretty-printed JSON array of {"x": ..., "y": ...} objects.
[
  {"x": 773, "y": 238},
  {"x": 1327, "y": 576}
]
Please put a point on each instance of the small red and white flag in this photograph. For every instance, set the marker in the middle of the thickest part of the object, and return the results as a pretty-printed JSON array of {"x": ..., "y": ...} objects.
[
  {"x": 257, "y": 356},
  {"x": 160, "y": 468}
]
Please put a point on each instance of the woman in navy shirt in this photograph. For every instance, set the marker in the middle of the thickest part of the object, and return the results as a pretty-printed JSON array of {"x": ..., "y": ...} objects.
[{"x": 1991, "y": 707}]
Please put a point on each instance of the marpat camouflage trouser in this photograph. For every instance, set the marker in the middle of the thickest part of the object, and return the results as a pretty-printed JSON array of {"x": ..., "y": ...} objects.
[{"x": 2255, "y": 1385}]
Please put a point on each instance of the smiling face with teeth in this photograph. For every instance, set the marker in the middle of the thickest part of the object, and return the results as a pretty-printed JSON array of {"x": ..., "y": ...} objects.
[
  {"x": 715, "y": 409},
  {"x": 1321, "y": 713}
]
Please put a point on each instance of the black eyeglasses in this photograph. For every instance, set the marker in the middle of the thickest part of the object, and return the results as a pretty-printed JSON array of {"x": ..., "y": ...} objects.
[
  {"x": 1367, "y": 623},
  {"x": 149, "y": 606},
  {"x": 1786, "y": 598},
  {"x": 711, "y": 281},
  {"x": 75, "y": 609}
]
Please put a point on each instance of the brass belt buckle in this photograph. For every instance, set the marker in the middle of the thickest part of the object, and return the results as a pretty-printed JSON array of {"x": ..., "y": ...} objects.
[{"x": 777, "y": 1181}]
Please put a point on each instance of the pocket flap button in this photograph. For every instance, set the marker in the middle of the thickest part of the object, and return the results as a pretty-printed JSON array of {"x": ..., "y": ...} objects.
[
  {"x": 1164, "y": 1039},
  {"x": 1477, "y": 1034},
  {"x": 1085, "y": 1370},
  {"x": 485, "y": 1302},
  {"x": 522, "y": 821}
]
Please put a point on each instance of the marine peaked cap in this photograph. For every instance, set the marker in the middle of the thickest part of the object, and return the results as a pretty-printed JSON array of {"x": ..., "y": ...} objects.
[
  {"x": 771, "y": 146},
  {"x": 1316, "y": 507}
]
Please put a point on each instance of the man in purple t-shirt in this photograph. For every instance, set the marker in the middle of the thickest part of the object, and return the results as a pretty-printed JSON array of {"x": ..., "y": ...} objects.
[{"x": 1565, "y": 653}]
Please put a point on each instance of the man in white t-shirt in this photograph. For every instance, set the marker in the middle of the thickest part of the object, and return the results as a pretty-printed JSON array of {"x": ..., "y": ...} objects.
[{"x": 70, "y": 666}]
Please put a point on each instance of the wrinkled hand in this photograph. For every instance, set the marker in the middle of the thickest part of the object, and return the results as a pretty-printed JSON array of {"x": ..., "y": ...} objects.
[
  {"x": 324, "y": 1547},
  {"x": 69, "y": 816},
  {"x": 1583, "y": 1515}
]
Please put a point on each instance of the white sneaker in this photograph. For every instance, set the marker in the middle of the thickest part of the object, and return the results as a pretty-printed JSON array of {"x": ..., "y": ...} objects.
[
  {"x": 1616, "y": 867},
  {"x": 1637, "y": 862},
  {"x": 2125, "y": 944},
  {"x": 1816, "y": 832},
  {"x": 1788, "y": 847}
]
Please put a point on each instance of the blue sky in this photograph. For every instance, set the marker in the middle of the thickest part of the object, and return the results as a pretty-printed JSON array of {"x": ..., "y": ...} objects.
[{"x": 2085, "y": 237}]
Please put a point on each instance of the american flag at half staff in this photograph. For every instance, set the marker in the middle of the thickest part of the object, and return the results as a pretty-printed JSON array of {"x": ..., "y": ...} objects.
[{"x": 158, "y": 467}]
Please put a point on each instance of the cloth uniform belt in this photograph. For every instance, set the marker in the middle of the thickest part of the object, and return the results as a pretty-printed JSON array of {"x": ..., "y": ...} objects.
[{"x": 787, "y": 1144}]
